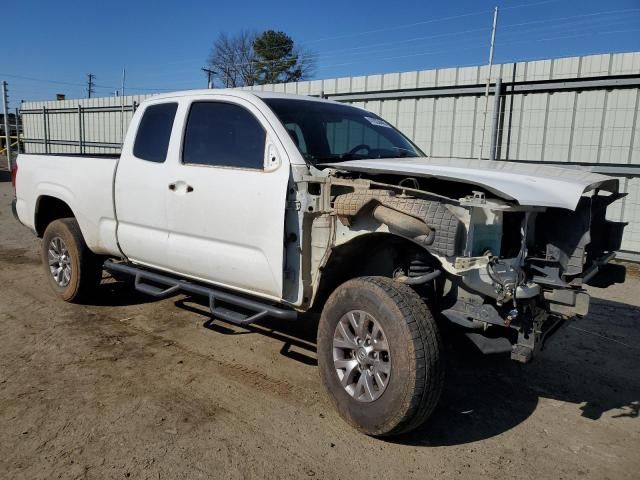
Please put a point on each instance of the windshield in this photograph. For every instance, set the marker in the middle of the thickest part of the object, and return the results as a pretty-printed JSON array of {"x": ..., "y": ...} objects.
[{"x": 330, "y": 132}]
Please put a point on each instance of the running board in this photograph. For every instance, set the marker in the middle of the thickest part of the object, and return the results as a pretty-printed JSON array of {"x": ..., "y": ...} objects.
[{"x": 170, "y": 286}]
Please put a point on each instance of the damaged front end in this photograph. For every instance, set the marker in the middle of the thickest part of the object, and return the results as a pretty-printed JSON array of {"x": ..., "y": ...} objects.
[
  {"x": 508, "y": 274},
  {"x": 532, "y": 270}
]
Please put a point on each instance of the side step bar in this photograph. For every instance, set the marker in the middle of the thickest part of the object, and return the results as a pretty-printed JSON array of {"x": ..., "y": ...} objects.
[{"x": 174, "y": 286}]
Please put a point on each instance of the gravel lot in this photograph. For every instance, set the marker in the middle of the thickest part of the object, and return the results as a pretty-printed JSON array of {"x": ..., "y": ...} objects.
[{"x": 129, "y": 387}]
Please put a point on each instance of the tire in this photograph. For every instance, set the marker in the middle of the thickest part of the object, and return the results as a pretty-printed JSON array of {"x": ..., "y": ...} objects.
[
  {"x": 410, "y": 392},
  {"x": 84, "y": 272}
]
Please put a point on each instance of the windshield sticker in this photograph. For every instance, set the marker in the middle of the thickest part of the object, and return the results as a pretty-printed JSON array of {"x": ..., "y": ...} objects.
[{"x": 377, "y": 122}]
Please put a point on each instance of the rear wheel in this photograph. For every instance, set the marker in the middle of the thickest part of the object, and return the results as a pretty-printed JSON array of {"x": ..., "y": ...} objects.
[
  {"x": 72, "y": 269},
  {"x": 379, "y": 353}
]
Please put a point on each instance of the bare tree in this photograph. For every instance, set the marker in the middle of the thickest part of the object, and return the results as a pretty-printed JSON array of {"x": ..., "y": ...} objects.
[
  {"x": 306, "y": 63},
  {"x": 232, "y": 58}
]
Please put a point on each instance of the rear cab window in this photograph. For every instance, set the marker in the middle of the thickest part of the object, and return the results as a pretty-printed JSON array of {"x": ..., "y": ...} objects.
[{"x": 154, "y": 132}]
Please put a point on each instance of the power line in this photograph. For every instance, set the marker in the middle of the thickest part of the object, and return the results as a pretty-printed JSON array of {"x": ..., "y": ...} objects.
[
  {"x": 385, "y": 29},
  {"x": 457, "y": 33},
  {"x": 588, "y": 34},
  {"x": 396, "y": 27},
  {"x": 476, "y": 47},
  {"x": 72, "y": 84},
  {"x": 333, "y": 53},
  {"x": 550, "y": 24},
  {"x": 526, "y": 5},
  {"x": 22, "y": 77},
  {"x": 467, "y": 31},
  {"x": 583, "y": 17},
  {"x": 340, "y": 64},
  {"x": 135, "y": 88},
  {"x": 581, "y": 22},
  {"x": 462, "y": 32},
  {"x": 470, "y": 48},
  {"x": 399, "y": 27},
  {"x": 607, "y": 12}
]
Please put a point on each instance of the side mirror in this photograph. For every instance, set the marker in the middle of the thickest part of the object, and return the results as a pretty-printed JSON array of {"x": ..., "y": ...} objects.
[{"x": 272, "y": 159}]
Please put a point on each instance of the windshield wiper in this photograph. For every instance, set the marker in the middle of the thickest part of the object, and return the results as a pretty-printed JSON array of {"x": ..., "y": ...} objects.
[
  {"x": 352, "y": 156},
  {"x": 404, "y": 152}
]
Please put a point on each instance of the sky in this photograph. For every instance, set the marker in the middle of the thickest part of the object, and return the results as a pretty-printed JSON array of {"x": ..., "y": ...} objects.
[{"x": 49, "y": 46}]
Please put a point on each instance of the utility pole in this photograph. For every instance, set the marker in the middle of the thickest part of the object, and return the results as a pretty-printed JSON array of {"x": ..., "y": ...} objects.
[
  {"x": 124, "y": 74},
  {"x": 486, "y": 91},
  {"x": 90, "y": 90},
  {"x": 210, "y": 74},
  {"x": 7, "y": 130},
  {"x": 17, "y": 130}
]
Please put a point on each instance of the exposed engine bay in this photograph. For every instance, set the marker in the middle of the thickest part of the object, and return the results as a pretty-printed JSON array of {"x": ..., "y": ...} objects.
[{"x": 508, "y": 274}]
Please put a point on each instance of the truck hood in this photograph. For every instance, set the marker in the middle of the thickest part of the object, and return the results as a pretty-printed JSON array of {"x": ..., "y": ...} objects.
[{"x": 526, "y": 183}]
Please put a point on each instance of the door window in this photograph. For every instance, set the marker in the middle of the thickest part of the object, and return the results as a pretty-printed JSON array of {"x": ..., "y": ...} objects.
[{"x": 223, "y": 134}]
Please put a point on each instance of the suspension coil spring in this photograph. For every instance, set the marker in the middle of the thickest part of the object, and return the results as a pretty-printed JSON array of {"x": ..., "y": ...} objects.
[{"x": 418, "y": 268}]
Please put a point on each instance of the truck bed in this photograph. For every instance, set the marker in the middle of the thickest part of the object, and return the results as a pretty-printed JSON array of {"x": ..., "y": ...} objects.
[{"x": 84, "y": 182}]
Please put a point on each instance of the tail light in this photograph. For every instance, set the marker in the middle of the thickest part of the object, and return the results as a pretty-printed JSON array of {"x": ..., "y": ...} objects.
[{"x": 14, "y": 172}]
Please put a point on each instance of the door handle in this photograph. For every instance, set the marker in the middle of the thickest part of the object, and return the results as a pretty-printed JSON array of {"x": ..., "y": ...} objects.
[{"x": 183, "y": 187}]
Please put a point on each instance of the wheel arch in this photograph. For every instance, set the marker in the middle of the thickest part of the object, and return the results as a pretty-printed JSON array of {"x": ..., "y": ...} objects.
[
  {"x": 48, "y": 209},
  {"x": 371, "y": 254}
]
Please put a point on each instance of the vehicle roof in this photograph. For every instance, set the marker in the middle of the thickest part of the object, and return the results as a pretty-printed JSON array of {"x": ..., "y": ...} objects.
[{"x": 236, "y": 92}]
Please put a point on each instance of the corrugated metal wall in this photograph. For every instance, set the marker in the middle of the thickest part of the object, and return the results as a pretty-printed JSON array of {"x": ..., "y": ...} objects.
[{"x": 576, "y": 110}]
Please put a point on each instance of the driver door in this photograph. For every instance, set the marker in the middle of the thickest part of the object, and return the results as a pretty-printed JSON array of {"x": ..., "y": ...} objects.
[{"x": 227, "y": 198}]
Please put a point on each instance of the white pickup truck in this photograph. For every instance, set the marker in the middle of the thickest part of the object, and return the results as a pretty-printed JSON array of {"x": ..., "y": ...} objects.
[{"x": 273, "y": 205}]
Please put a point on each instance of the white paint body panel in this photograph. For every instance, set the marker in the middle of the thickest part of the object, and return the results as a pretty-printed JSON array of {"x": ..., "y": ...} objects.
[
  {"x": 229, "y": 231},
  {"x": 528, "y": 184},
  {"x": 83, "y": 183},
  {"x": 141, "y": 206}
]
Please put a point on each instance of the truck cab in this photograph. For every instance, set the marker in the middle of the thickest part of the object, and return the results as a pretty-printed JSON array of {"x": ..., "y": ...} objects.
[{"x": 203, "y": 174}]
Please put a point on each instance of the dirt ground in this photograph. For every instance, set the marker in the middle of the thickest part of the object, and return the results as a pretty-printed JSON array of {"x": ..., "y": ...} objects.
[{"x": 133, "y": 388}]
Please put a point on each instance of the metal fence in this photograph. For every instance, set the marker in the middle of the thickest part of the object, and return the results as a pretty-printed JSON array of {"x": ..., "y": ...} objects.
[
  {"x": 92, "y": 125},
  {"x": 578, "y": 111}
]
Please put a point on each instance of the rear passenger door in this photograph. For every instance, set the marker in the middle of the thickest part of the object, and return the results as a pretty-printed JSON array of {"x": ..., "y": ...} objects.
[
  {"x": 141, "y": 186},
  {"x": 227, "y": 203}
]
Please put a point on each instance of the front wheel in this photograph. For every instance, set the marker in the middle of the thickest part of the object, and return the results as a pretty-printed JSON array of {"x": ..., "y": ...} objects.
[{"x": 380, "y": 355}]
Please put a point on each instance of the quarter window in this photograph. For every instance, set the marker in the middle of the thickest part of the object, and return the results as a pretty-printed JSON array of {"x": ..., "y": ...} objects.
[
  {"x": 154, "y": 132},
  {"x": 223, "y": 134}
]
